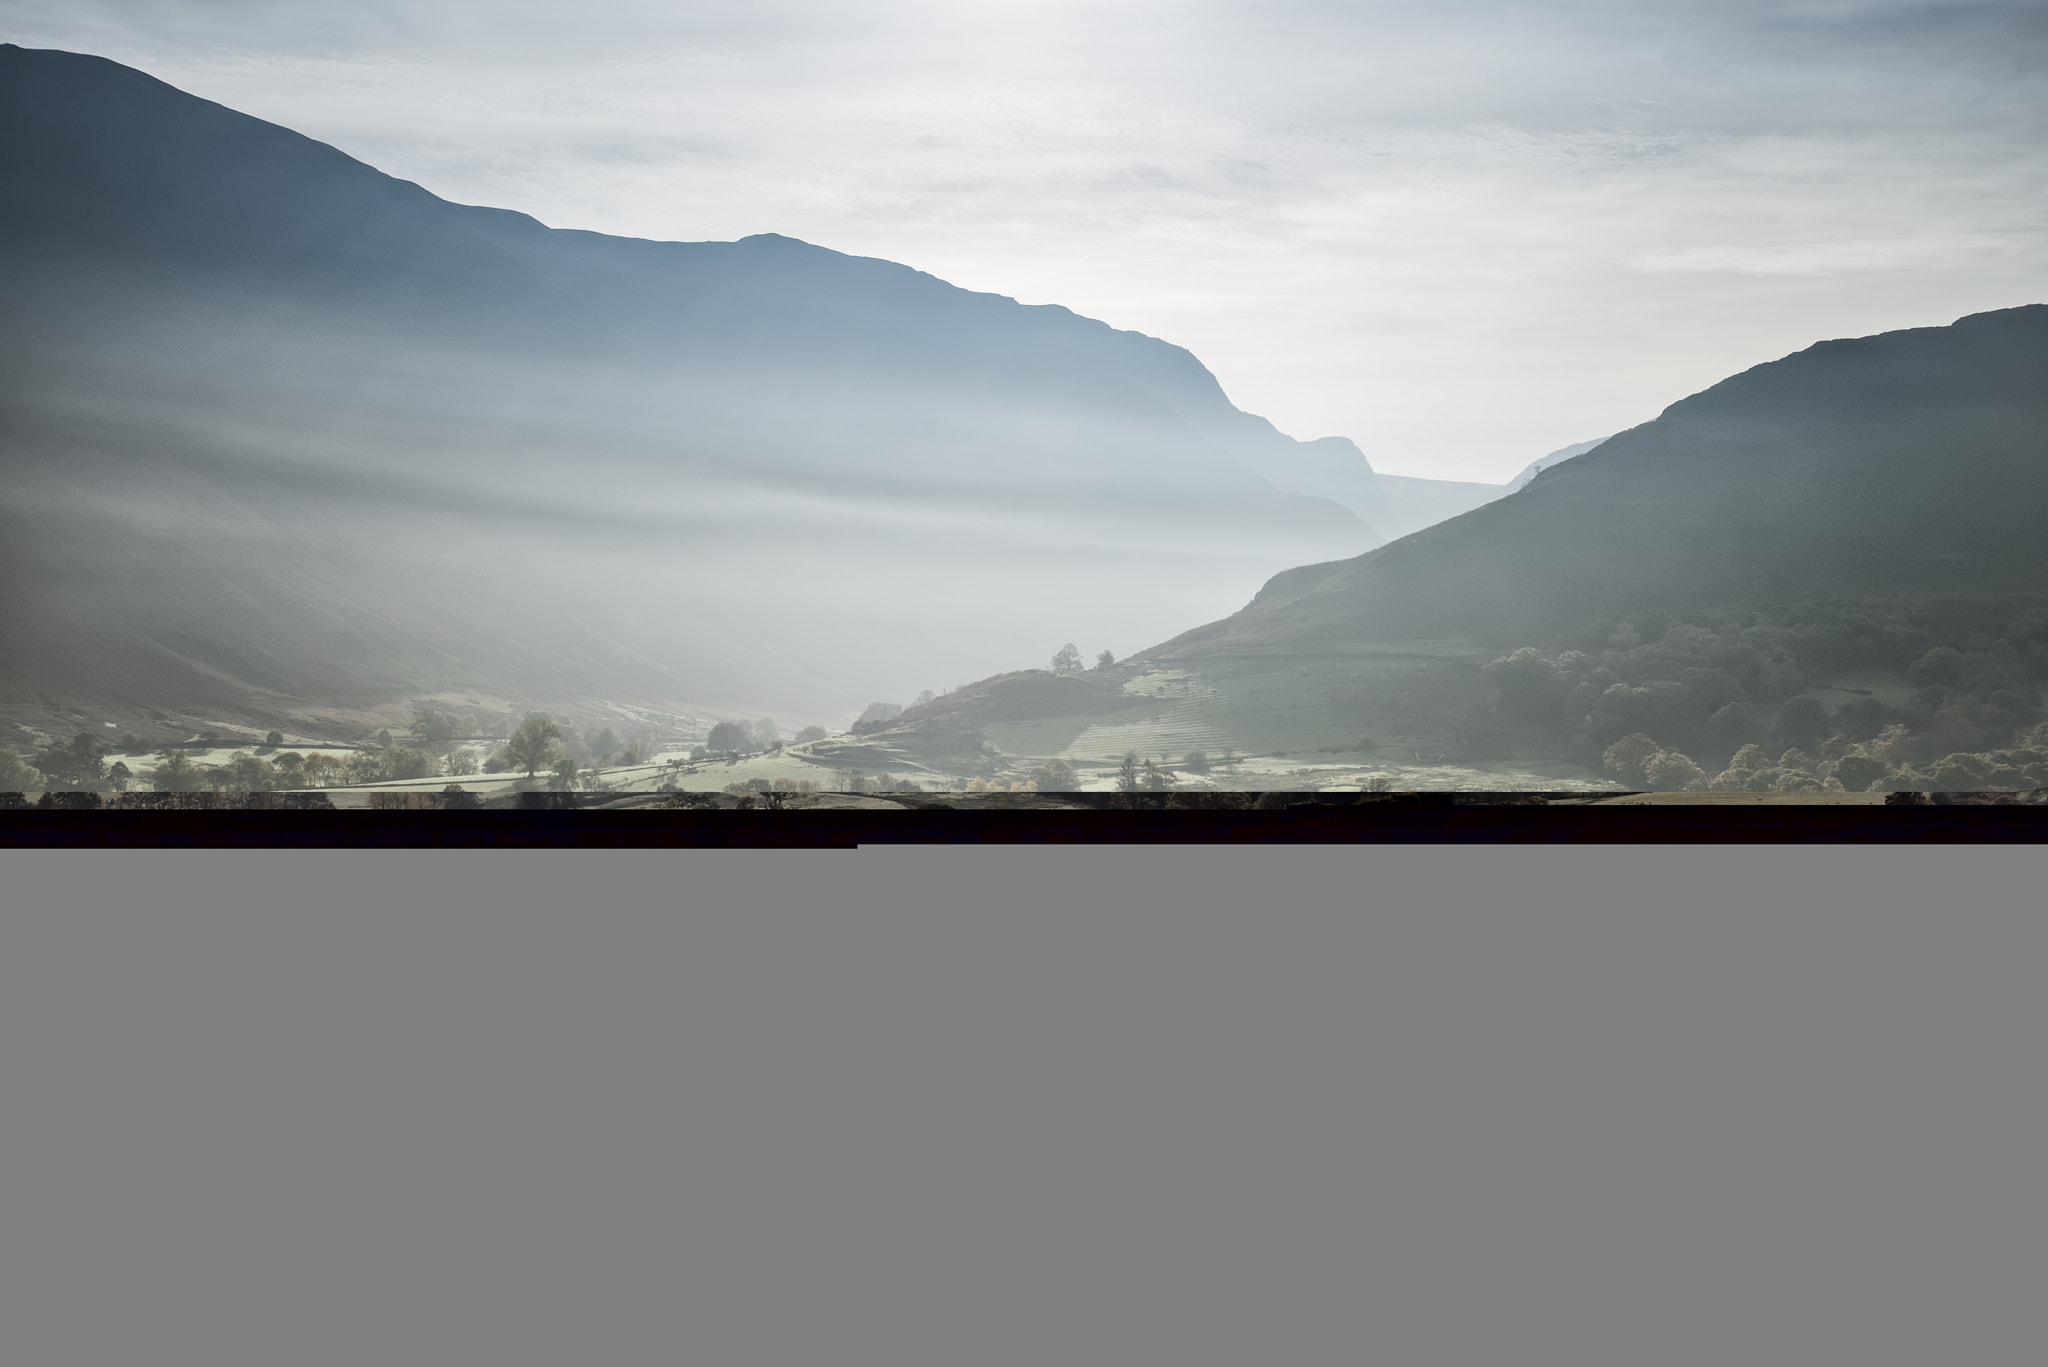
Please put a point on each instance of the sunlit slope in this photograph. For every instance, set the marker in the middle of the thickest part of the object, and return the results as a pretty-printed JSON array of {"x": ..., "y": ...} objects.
[
  {"x": 1911, "y": 462},
  {"x": 1399, "y": 712}
]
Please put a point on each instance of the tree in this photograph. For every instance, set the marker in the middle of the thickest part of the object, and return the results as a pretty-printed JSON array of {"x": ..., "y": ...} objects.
[
  {"x": 404, "y": 762},
  {"x": 1527, "y": 684},
  {"x": 1068, "y": 661},
  {"x": 767, "y": 734},
  {"x": 1055, "y": 776},
  {"x": 319, "y": 770},
  {"x": 1156, "y": 779},
  {"x": 76, "y": 765},
  {"x": 462, "y": 763},
  {"x": 728, "y": 737},
  {"x": 365, "y": 766},
  {"x": 604, "y": 745},
  {"x": 565, "y": 774},
  {"x": 535, "y": 745},
  {"x": 274, "y": 739},
  {"x": 811, "y": 733},
  {"x": 879, "y": 712},
  {"x": 249, "y": 774},
  {"x": 1196, "y": 761},
  {"x": 1127, "y": 773},
  {"x": 1104, "y": 660},
  {"x": 923, "y": 698},
  {"x": 119, "y": 777}
]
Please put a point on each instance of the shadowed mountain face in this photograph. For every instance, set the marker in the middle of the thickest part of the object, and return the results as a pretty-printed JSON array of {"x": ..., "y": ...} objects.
[
  {"x": 1914, "y": 462},
  {"x": 278, "y": 424}
]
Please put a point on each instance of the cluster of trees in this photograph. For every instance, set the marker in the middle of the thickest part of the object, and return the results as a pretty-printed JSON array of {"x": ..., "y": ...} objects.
[
  {"x": 1054, "y": 776},
  {"x": 1667, "y": 702},
  {"x": 780, "y": 785},
  {"x": 77, "y": 765},
  {"x": 1885, "y": 763},
  {"x": 738, "y": 738},
  {"x": 1136, "y": 775},
  {"x": 853, "y": 781},
  {"x": 1067, "y": 660},
  {"x": 431, "y": 748}
]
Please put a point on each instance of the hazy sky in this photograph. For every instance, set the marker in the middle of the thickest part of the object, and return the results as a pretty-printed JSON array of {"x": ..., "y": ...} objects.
[{"x": 1460, "y": 232}]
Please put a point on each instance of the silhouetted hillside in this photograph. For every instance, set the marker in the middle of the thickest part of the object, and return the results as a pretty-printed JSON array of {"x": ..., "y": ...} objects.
[
  {"x": 375, "y": 427},
  {"x": 1915, "y": 462}
]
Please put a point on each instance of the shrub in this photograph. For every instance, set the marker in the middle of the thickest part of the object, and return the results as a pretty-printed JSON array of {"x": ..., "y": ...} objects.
[
  {"x": 811, "y": 733},
  {"x": 1195, "y": 762}
]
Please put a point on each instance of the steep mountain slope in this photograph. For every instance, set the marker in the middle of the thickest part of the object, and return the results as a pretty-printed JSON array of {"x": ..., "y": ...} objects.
[
  {"x": 1538, "y": 466},
  {"x": 440, "y": 443},
  {"x": 1914, "y": 462}
]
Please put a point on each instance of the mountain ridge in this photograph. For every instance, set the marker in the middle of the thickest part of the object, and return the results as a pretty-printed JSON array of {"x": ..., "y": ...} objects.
[{"x": 1726, "y": 497}]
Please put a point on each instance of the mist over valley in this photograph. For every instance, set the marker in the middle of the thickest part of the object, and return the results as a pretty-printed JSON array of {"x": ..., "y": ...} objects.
[{"x": 296, "y": 448}]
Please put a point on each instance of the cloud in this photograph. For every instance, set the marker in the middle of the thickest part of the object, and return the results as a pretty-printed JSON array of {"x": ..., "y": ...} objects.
[{"x": 1462, "y": 233}]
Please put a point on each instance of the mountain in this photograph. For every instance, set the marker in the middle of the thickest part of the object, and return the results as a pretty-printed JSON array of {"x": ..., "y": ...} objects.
[
  {"x": 1395, "y": 505},
  {"x": 1912, "y": 462},
  {"x": 1835, "y": 559},
  {"x": 1537, "y": 467},
  {"x": 280, "y": 427}
]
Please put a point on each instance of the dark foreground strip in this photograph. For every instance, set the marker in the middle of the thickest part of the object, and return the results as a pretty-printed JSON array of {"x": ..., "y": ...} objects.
[{"x": 1421, "y": 820}]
